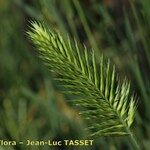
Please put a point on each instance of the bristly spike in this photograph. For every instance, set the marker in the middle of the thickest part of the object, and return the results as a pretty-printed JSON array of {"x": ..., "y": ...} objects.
[
  {"x": 101, "y": 74},
  {"x": 87, "y": 63},
  {"x": 104, "y": 101},
  {"x": 107, "y": 79},
  {"x": 79, "y": 57},
  {"x": 112, "y": 86},
  {"x": 94, "y": 69},
  {"x": 131, "y": 112},
  {"x": 71, "y": 52}
]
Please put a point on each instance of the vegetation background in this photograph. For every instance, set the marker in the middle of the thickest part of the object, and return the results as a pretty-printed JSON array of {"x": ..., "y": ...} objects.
[{"x": 31, "y": 104}]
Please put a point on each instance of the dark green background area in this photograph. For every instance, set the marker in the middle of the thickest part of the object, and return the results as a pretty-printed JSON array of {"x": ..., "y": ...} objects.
[{"x": 31, "y": 104}]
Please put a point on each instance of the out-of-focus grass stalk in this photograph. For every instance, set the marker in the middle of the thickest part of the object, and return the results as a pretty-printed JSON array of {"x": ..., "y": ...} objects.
[
  {"x": 141, "y": 32},
  {"x": 137, "y": 73},
  {"x": 50, "y": 12},
  {"x": 69, "y": 16},
  {"x": 87, "y": 28},
  {"x": 134, "y": 62}
]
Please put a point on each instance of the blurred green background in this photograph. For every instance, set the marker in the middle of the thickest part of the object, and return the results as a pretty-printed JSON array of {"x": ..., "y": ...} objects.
[{"x": 31, "y": 104}]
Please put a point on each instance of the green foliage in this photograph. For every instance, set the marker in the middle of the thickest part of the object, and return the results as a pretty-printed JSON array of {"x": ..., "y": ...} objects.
[
  {"x": 120, "y": 31},
  {"x": 104, "y": 101}
]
